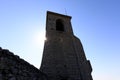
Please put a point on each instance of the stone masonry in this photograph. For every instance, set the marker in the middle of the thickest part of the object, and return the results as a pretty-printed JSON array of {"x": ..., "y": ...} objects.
[
  {"x": 12, "y": 67},
  {"x": 63, "y": 56}
]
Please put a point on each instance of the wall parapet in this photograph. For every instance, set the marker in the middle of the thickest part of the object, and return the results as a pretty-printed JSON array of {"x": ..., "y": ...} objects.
[{"x": 12, "y": 67}]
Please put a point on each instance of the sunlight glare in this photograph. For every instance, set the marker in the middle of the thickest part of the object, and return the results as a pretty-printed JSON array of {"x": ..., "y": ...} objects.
[{"x": 39, "y": 38}]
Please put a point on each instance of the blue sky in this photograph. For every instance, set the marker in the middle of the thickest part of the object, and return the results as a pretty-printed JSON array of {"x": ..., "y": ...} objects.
[{"x": 95, "y": 22}]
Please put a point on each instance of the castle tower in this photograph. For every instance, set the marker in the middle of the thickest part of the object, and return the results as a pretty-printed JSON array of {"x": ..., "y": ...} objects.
[{"x": 63, "y": 55}]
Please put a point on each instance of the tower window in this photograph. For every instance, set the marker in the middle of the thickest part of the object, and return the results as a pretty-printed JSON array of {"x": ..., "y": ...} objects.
[
  {"x": 64, "y": 79},
  {"x": 59, "y": 25}
]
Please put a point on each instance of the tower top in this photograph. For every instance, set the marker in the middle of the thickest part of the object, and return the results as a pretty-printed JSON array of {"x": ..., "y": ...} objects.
[
  {"x": 58, "y": 22},
  {"x": 57, "y": 14}
]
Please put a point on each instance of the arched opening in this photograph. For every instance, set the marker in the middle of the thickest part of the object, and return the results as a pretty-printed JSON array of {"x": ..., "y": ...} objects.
[
  {"x": 59, "y": 25},
  {"x": 64, "y": 79}
]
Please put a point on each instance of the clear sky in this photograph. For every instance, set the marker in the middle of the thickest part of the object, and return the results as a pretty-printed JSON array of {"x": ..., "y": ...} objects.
[{"x": 95, "y": 22}]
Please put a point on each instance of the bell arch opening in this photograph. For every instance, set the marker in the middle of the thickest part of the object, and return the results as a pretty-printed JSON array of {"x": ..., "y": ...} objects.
[
  {"x": 64, "y": 79},
  {"x": 59, "y": 25}
]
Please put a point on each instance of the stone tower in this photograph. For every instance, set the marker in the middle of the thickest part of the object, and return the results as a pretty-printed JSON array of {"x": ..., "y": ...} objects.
[{"x": 63, "y": 55}]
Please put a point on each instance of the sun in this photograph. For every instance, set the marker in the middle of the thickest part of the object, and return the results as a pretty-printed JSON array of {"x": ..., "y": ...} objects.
[{"x": 39, "y": 38}]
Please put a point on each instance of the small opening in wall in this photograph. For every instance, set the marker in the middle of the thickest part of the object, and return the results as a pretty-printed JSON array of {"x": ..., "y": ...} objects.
[
  {"x": 59, "y": 25},
  {"x": 64, "y": 79}
]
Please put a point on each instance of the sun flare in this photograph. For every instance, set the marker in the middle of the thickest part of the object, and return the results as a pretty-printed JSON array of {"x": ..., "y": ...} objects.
[{"x": 39, "y": 38}]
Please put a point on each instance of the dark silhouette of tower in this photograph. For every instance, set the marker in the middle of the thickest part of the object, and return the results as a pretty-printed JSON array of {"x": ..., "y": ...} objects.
[{"x": 63, "y": 55}]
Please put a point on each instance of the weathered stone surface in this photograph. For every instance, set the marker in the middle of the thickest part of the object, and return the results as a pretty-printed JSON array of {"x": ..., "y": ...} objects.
[
  {"x": 63, "y": 55},
  {"x": 12, "y": 67}
]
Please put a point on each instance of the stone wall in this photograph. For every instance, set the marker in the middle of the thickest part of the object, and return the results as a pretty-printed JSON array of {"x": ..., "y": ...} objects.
[
  {"x": 14, "y": 68},
  {"x": 63, "y": 55}
]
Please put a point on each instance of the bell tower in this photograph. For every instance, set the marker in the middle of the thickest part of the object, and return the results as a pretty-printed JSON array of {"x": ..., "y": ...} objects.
[
  {"x": 63, "y": 55},
  {"x": 58, "y": 22}
]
